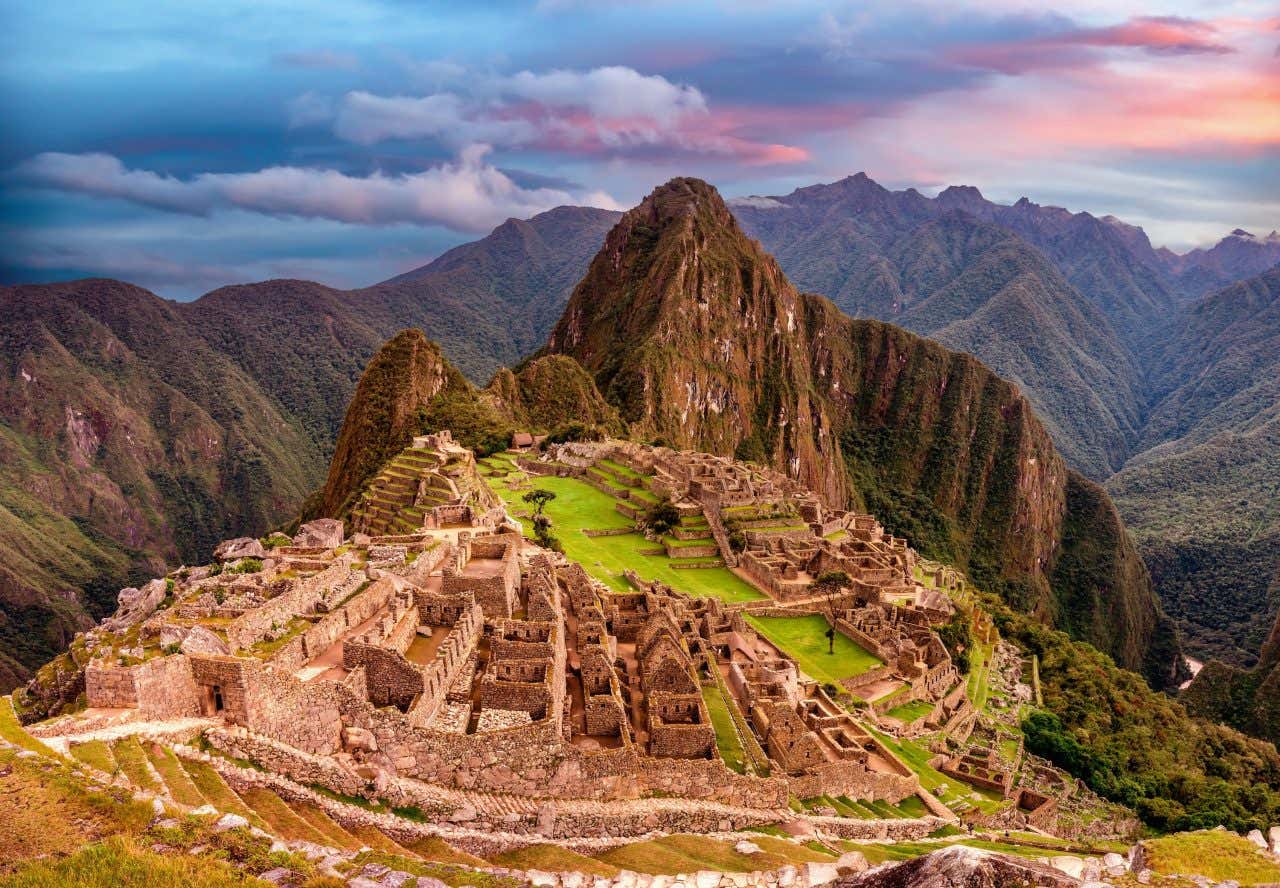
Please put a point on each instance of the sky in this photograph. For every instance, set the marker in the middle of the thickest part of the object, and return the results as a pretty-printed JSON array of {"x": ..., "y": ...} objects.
[{"x": 186, "y": 146}]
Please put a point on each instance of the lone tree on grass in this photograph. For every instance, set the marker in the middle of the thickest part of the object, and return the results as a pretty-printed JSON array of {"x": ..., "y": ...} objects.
[
  {"x": 539, "y": 498},
  {"x": 831, "y": 584},
  {"x": 662, "y": 517}
]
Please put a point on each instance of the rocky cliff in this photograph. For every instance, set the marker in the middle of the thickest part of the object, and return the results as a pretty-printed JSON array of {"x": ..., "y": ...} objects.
[{"x": 693, "y": 331}]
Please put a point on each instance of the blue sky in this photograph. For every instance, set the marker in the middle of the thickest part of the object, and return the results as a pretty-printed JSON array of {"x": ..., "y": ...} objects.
[{"x": 187, "y": 146}]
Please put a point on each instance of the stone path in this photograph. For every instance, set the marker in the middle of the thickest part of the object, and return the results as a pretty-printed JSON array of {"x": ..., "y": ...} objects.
[{"x": 62, "y": 742}]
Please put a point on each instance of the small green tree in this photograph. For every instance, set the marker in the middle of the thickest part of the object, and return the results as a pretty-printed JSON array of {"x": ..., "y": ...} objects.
[
  {"x": 831, "y": 585},
  {"x": 539, "y": 498},
  {"x": 662, "y": 517}
]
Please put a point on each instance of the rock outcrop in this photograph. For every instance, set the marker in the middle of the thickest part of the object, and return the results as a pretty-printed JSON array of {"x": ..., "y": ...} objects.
[
  {"x": 698, "y": 338},
  {"x": 960, "y": 866}
]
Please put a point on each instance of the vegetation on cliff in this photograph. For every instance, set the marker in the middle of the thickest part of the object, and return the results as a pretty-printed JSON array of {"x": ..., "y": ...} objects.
[
  {"x": 410, "y": 388},
  {"x": 125, "y": 443},
  {"x": 699, "y": 339},
  {"x": 1136, "y": 746}
]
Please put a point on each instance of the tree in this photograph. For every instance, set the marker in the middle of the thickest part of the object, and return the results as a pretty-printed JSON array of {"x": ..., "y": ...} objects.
[
  {"x": 831, "y": 584},
  {"x": 539, "y": 499},
  {"x": 662, "y": 517}
]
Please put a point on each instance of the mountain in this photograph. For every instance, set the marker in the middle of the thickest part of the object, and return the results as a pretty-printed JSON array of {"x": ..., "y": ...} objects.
[
  {"x": 492, "y": 302},
  {"x": 550, "y": 392},
  {"x": 1239, "y": 255},
  {"x": 1245, "y": 699},
  {"x": 409, "y": 388},
  {"x": 1204, "y": 498},
  {"x": 128, "y": 443},
  {"x": 1003, "y": 283},
  {"x": 693, "y": 331},
  {"x": 138, "y": 432},
  {"x": 1144, "y": 382}
]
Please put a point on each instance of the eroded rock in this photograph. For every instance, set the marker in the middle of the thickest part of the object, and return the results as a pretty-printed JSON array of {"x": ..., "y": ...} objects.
[{"x": 240, "y": 547}]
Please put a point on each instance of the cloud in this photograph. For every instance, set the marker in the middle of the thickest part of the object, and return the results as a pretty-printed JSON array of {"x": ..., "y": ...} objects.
[
  {"x": 1163, "y": 34},
  {"x": 367, "y": 119},
  {"x": 610, "y": 92},
  {"x": 308, "y": 109},
  {"x": 604, "y": 110},
  {"x": 468, "y": 195},
  {"x": 1077, "y": 47}
]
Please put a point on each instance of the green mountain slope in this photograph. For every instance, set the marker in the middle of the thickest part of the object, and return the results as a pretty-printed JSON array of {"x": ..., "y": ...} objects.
[
  {"x": 698, "y": 338},
  {"x": 963, "y": 271},
  {"x": 128, "y": 444},
  {"x": 1204, "y": 500}
]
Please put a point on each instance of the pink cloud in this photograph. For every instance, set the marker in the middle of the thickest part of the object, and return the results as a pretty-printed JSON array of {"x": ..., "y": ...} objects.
[
  {"x": 1154, "y": 33},
  {"x": 1166, "y": 35}
]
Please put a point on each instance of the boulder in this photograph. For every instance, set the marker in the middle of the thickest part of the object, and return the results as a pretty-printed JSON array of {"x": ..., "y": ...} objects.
[
  {"x": 282, "y": 877},
  {"x": 135, "y": 605},
  {"x": 745, "y": 847},
  {"x": 1273, "y": 839},
  {"x": 1255, "y": 836},
  {"x": 202, "y": 640},
  {"x": 240, "y": 547},
  {"x": 851, "y": 862},
  {"x": 1114, "y": 864},
  {"x": 820, "y": 873},
  {"x": 326, "y": 532},
  {"x": 960, "y": 866},
  {"x": 1072, "y": 866},
  {"x": 229, "y": 821},
  {"x": 204, "y": 811}
]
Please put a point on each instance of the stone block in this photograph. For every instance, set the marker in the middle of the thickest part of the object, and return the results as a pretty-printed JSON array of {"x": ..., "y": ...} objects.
[{"x": 1255, "y": 836}]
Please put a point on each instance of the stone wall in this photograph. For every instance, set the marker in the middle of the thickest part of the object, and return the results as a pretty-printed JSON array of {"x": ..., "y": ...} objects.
[
  {"x": 159, "y": 688},
  {"x": 854, "y": 781},
  {"x": 390, "y": 679},
  {"x": 111, "y": 687},
  {"x": 232, "y": 676},
  {"x": 252, "y": 626}
]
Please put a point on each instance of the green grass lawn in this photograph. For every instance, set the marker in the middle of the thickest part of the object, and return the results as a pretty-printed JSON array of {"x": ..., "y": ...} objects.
[
  {"x": 671, "y": 855},
  {"x": 726, "y": 735},
  {"x": 11, "y": 730},
  {"x": 979, "y": 668},
  {"x": 180, "y": 786},
  {"x": 133, "y": 762},
  {"x": 803, "y": 639},
  {"x": 554, "y": 859},
  {"x": 909, "y": 712},
  {"x": 1216, "y": 854},
  {"x": 916, "y": 757},
  {"x": 578, "y": 505},
  {"x": 95, "y": 754}
]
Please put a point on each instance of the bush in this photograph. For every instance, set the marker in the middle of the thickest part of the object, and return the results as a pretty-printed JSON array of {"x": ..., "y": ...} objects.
[{"x": 662, "y": 517}]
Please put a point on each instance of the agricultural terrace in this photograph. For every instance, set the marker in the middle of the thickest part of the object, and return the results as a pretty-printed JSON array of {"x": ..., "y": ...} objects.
[{"x": 579, "y": 506}]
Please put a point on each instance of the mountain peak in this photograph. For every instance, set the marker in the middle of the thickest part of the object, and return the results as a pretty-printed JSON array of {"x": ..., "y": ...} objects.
[
  {"x": 1240, "y": 232},
  {"x": 683, "y": 197}
]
